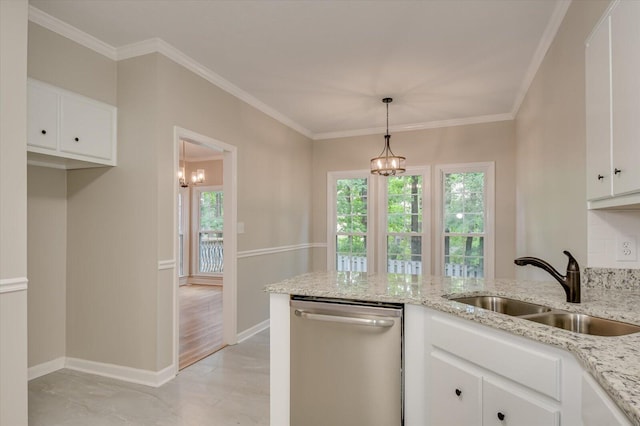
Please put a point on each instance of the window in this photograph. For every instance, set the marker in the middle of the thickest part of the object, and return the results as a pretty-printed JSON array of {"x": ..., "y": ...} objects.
[
  {"x": 208, "y": 234},
  {"x": 350, "y": 222},
  {"x": 465, "y": 220},
  {"x": 399, "y": 237},
  {"x": 404, "y": 232}
]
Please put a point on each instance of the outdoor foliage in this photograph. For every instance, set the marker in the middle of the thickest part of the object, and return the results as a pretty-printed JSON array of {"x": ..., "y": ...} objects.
[{"x": 211, "y": 211}]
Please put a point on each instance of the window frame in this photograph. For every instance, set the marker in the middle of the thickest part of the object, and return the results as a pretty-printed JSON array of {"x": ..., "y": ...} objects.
[
  {"x": 332, "y": 179},
  {"x": 382, "y": 210},
  {"x": 488, "y": 168}
]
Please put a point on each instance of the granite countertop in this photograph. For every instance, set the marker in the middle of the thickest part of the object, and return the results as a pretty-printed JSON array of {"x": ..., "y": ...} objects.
[{"x": 613, "y": 361}]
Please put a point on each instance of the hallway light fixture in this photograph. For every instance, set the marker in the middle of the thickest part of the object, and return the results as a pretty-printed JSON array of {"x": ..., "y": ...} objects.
[
  {"x": 196, "y": 177},
  {"x": 387, "y": 163}
]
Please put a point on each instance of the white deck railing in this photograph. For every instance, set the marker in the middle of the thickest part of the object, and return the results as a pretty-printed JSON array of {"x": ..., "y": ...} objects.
[{"x": 413, "y": 267}]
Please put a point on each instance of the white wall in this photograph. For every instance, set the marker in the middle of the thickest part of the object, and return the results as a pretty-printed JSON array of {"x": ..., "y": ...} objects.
[
  {"x": 13, "y": 213},
  {"x": 551, "y": 149},
  {"x": 605, "y": 229}
]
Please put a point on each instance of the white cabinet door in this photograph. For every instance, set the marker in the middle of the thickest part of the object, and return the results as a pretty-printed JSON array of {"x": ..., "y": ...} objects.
[
  {"x": 625, "y": 66},
  {"x": 455, "y": 395},
  {"x": 86, "y": 128},
  {"x": 597, "y": 407},
  {"x": 598, "y": 108},
  {"x": 504, "y": 407},
  {"x": 42, "y": 118}
]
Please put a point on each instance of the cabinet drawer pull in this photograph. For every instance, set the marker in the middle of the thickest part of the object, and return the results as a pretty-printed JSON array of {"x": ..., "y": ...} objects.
[
  {"x": 617, "y": 171},
  {"x": 600, "y": 177},
  {"x": 44, "y": 132},
  {"x": 501, "y": 416},
  {"x": 458, "y": 392},
  {"x": 76, "y": 139}
]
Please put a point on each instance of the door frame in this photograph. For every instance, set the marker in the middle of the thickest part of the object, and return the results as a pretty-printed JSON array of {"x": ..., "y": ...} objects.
[{"x": 230, "y": 206}]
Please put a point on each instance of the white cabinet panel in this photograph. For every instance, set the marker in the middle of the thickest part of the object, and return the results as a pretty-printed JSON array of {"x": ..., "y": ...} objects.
[
  {"x": 625, "y": 66},
  {"x": 456, "y": 394},
  {"x": 597, "y": 407},
  {"x": 86, "y": 128},
  {"x": 69, "y": 130},
  {"x": 598, "y": 106},
  {"x": 42, "y": 119},
  {"x": 504, "y": 407}
]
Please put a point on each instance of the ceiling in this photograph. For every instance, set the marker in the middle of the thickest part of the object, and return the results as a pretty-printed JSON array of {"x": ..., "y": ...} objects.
[{"x": 322, "y": 67}]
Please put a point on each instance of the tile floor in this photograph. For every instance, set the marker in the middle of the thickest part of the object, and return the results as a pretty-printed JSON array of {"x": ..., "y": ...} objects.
[{"x": 230, "y": 387}]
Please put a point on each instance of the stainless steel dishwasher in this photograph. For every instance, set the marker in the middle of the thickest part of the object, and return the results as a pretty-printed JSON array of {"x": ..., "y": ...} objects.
[{"x": 346, "y": 363}]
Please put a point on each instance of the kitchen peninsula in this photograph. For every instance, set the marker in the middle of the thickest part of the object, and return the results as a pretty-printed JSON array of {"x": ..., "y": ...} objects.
[{"x": 562, "y": 372}]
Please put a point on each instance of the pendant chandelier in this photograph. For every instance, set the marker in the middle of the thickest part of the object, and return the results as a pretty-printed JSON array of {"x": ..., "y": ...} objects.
[
  {"x": 387, "y": 163},
  {"x": 196, "y": 177}
]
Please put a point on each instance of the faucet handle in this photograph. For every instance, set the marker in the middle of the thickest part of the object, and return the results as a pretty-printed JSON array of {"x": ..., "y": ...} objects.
[{"x": 573, "y": 263}]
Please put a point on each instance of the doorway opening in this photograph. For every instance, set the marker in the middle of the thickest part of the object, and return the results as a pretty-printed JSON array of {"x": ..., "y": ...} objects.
[{"x": 205, "y": 279}]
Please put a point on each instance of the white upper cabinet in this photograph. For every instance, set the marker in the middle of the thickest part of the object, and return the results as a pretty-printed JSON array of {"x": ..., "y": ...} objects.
[
  {"x": 598, "y": 102},
  {"x": 625, "y": 83},
  {"x": 67, "y": 130},
  {"x": 613, "y": 108}
]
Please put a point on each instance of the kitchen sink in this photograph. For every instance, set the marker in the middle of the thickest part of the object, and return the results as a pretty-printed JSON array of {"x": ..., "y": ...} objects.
[
  {"x": 578, "y": 323},
  {"x": 586, "y": 324},
  {"x": 503, "y": 305}
]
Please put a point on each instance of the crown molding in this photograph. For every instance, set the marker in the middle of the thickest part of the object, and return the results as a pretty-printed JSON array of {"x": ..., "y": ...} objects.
[
  {"x": 547, "y": 38},
  {"x": 157, "y": 45},
  {"x": 417, "y": 126},
  {"x": 62, "y": 28}
]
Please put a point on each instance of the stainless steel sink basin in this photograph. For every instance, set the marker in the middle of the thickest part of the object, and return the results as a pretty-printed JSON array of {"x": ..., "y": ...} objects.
[
  {"x": 586, "y": 324},
  {"x": 503, "y": 305}
]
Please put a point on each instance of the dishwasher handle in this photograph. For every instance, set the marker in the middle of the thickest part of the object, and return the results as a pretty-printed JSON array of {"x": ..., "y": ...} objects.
[{"x": 381, "y": 322}]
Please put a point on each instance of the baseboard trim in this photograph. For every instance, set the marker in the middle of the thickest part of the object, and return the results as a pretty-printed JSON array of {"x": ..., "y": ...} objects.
[
  {"x": 119, "y": 372},
  {"x": 252, "y": 331},
  {"x": 45, "y": 368}
]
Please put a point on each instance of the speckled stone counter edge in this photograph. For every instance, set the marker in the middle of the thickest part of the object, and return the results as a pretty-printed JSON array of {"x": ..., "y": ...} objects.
[{"x": 611, "y": 278}]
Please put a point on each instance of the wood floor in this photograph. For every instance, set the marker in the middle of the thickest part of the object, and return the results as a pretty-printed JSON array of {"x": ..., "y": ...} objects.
[{"x": 200, "y": 322}]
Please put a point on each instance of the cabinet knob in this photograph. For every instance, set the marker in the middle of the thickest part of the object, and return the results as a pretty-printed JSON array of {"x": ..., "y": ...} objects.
[
  {"x": 44, "y": 132},
  {"x": 600, "y": 177},
  {"x": 458, "y": 392},
  {"x": 501, "y": 416},
  {"x": 617, "y": 171},
  {"x": 76, "y": 139}
]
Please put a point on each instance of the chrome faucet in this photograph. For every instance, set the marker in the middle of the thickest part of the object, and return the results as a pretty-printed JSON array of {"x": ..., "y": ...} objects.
[{"x": 570, "y": 283}]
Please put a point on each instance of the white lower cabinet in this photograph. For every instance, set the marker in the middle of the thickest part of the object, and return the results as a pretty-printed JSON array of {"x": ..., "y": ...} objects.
[
  {"x": 503, "y": 406},
  {"x": 462, "y": 394},
  {"x": 456, "y": 394}
]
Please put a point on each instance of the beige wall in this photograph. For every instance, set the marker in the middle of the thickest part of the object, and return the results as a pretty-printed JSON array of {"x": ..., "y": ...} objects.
[
  {"x": 274, "y": 177},
  {"x": 120, "y": 220},
  {"x": 13, "y": 212},
  {"x": 47, "y": 263},
  {"x": 551, "y": 148},
  {"x": 212, "y": 171},
  {"x": 460, "y": 144}
]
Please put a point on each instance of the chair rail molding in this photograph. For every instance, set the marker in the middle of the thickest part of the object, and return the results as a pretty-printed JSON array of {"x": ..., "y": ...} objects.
[{"x": 9, "y": 285}]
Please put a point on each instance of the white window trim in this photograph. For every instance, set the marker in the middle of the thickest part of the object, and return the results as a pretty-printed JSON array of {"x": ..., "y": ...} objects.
[
  {"x": 425, "y": 171},
  {"x": 332, "y": 178},
  {"x": 489, "y": 199},
  {"x": 195, "y": 229},
  {"x": 186, "y": 229}
]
